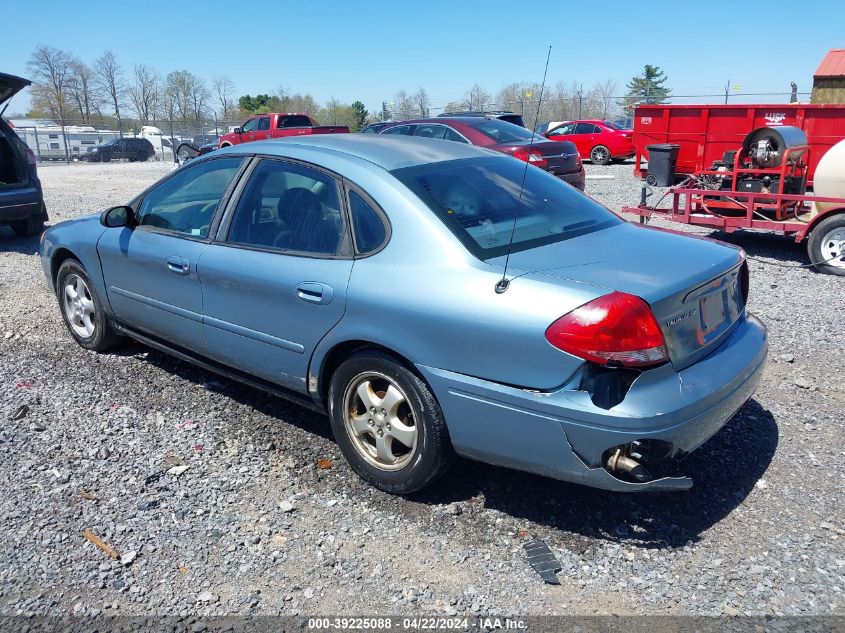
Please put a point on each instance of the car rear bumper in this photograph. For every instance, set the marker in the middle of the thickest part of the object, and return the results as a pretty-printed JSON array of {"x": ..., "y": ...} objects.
[
  {"x": 576, "y": 179},
  {"x": 564, "y": 435},
  {"x": 20, "y": 203}
]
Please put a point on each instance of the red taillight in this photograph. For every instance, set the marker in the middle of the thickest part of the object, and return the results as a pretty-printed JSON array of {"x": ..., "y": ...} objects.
[
  {"x": 533, "y": 156},
  {"x": 614, "y": 329}
]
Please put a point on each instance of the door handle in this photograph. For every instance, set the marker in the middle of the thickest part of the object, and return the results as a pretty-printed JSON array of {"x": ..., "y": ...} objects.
[
  {"x": 315, "y": 292},
  {"x": 178, "y": 265}
]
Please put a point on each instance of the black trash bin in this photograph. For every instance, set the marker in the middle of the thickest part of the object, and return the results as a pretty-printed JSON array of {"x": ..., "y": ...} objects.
[{"x": 662, "y": 158}]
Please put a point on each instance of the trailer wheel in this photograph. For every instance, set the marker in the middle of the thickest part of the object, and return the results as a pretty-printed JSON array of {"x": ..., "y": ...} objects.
[
  {"x": 600, "y": 155},
  {"x": 827, "y": 245}
]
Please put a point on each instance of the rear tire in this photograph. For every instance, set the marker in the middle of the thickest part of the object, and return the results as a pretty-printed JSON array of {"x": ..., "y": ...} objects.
[
  {"x": 600, "y": 155},
  {"x": 388, "y": 423},
  {"x": 82, "y": 310},
  {"x": 33, "y": 225},
  {"x": 826, "y": 241}
]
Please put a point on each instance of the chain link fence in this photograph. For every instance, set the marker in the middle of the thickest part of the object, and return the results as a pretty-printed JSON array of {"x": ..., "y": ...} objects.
[{"x": 74, "y": 139}]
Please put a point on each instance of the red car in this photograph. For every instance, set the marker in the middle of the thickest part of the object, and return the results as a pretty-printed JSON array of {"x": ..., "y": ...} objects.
[
  {"x": 558, "y": 158},
  {"x": 600, "y": 141},
  {"x": 277, "y": 125}
]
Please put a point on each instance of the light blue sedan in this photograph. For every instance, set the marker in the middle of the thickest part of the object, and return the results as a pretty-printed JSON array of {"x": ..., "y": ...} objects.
[{"x": 433, "y": 298}]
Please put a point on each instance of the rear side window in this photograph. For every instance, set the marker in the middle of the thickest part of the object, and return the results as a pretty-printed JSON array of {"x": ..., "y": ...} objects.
[
  {"x": 482, "y": 202},
  {"x": 399, "y": 129},
  {"x": 289, "y": 207},
  {"x": 186, "y": 203},
  {"x": 294, "y": 120},
  {"x": 367, "y": 224}
]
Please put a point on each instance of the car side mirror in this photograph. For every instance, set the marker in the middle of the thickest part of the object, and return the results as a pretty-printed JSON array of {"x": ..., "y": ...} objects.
[
  {"x": 238, "y": 130},
  {"x": 117, "y": 217}
]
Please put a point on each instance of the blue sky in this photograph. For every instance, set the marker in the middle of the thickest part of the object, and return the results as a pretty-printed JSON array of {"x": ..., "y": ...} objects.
[{"x": 368, "y": 50}]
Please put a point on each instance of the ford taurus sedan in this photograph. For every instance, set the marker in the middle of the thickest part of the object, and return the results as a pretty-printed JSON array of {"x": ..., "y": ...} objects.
[{"x": 430, "y": 304}]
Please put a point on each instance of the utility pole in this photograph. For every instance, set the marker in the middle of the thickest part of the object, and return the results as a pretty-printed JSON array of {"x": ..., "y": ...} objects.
[{"x": 727, "y": 88}]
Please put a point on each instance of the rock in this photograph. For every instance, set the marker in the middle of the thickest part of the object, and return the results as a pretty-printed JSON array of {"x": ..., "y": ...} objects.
[
  {"x": 20, "y": 413},
  {"x": 731, "y": 611},
  {"x": 37, "y": 427},
  {"x": 803, "y": 382},
  {"x": 127, "y": 557},
  {"x": 206, "y": 596},
  {"x": 454, "y": 509},
  {"x": 308, "y": 593},
  {"x": 787, "y": 358},
  {"x": 177, "y": 470},
  {"x": 286, "y": 506}
]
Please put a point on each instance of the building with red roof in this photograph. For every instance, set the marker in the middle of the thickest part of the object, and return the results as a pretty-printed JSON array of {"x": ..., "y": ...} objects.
[{"x": 829, "y": 78}]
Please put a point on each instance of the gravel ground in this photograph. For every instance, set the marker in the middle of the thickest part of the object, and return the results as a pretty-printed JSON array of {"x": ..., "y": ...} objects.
[{"x": 221, "y": 499}]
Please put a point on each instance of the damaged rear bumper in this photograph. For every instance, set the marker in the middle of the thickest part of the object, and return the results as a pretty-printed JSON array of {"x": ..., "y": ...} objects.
[{"x": 563, "y": 434}]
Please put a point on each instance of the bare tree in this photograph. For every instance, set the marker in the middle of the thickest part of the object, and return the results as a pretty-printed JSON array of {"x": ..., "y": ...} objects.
[
  {"x": 605, "y": 95},
  {"x": 144, "y": 93},
  {"x": 190, "y": 94},
  {"x": 404, "y": 106},
  {"x": 51, "y": 70},
  {"x": 423, "y": 103},
  {"x": 109, "y": 77},
  {"x": 224, "y": 88},
  {"x": 82, "y": 90},
  {"x": 477, "y": 98}
]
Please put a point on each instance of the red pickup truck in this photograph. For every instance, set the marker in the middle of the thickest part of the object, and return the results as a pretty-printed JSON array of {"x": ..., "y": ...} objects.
[{"x": 277, "y": 125}]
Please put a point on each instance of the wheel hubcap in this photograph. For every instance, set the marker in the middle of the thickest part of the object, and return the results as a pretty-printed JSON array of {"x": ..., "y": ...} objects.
[
  {"x": 380, "y": 421},
  {"x": 79, "y": 306},
  {"x": 833, "y": 248},
  {"x": 598, "y": 155}
]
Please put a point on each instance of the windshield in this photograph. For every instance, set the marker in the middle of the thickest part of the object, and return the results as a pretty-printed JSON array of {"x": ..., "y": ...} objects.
[
  {"x": 476, "y": 198},
  {"x": 504, "y": 132}
]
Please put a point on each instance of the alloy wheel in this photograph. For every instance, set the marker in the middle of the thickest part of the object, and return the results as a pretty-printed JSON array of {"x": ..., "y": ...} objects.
[
  {"x": 380, "y": 421},
  {"x": 79, "y": 306}
]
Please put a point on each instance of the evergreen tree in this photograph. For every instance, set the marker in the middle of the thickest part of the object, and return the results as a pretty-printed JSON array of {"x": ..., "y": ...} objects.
[
  {"x": 648, "y": 87},
  {"x": 360, "y": 114}
]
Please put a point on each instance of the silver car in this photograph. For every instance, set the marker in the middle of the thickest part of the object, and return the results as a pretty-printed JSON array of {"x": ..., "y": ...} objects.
[{"x": 433, "y": 298}]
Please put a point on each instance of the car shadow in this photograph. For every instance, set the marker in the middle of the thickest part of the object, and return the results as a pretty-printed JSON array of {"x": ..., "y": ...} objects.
[
  {"x": 276, "y": 407},
  {"x": 779, "y": 247},
  {"x": 724, "y": 470},
  {"x": 11, "y": 243}
]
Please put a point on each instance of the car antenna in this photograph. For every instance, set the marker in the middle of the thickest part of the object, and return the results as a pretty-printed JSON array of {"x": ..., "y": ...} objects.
[{"x": 504, "y": 282}]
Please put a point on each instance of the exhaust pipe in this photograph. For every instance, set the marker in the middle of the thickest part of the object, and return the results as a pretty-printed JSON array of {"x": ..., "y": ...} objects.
[{"x": 619, "y": 462}]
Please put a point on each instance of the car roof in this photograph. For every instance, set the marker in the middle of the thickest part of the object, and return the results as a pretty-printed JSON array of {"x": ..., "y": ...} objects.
[{"x": 388, "y": 152}]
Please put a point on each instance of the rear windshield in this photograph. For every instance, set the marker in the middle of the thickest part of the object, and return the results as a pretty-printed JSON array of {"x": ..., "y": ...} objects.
[
  {"x": 477, "y": 198},
  {"x": 294, "y": 120},
  {"x": 516, "y": 119},
  {"x": 504, "y": 132}
]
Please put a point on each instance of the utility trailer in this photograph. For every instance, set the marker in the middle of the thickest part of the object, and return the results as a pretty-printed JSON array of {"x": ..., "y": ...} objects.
[
  {"x": 706, "y": 132},
  {"x": 762, "y": 185}
]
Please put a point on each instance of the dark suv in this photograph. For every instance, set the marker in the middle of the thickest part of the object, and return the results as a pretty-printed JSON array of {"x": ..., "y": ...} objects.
[
  {"x": 504, "y": 115},
  {"x": 132, "y": 149},
  {"x": 21, "y": 200}
]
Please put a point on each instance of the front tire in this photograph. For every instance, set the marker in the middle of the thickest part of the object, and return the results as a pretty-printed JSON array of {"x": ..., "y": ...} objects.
[
  {"x": 388, "y": 423},
  {"x": 600, "y": 155},
  {"x": 826, "y": 245},
  {"x": 82, "y": 310}
]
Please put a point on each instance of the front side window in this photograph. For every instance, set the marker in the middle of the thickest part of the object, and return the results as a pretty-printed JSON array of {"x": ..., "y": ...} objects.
[
  {"x": 249, "y": 126},
  {"x": 367, "y": 224},
  {"x": 263, "y": 123},
  {"x": 482, "y": 202},
  {"x": 568, "y": 128},
  {"x": 186, "y": 202},
  {"x": 289, "y": 207}
]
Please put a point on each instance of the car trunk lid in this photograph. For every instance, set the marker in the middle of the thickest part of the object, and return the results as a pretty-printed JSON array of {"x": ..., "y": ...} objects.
[
  {"x": 11, "y": 85},
  {"x": 561, "y": 156},
  {"x": 692, "y": 285}
]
